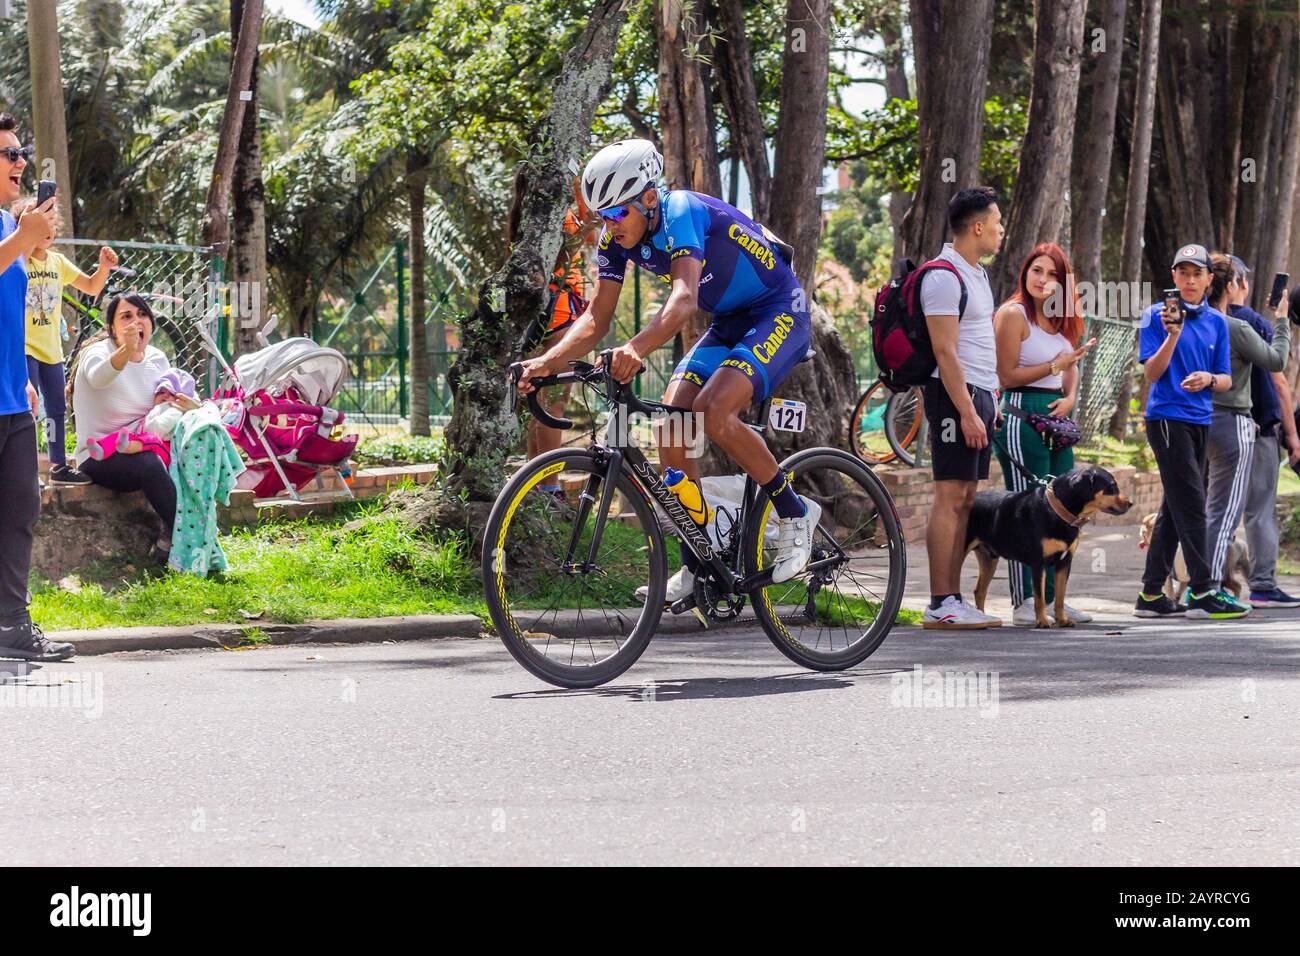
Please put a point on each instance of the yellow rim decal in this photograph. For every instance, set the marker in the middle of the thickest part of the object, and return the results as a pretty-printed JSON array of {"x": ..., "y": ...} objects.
[
  {"x": 499, "y": 557},
  {"x": 758, "y": 563}
]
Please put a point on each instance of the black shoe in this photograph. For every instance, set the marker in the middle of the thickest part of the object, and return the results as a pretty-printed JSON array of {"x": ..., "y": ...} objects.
[
  {"x": 26, "y": 642},
  {"x": 1216, "y": 605},
  {"x": 63, "y": 475},
  {"x": 1158, "y": 606}
]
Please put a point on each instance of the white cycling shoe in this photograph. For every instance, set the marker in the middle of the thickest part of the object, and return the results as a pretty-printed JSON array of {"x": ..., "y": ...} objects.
[
  {"x": 679, "y": 585},
  {"x": 1023, "y": 616},
  {"x": 794, "y": 542}
]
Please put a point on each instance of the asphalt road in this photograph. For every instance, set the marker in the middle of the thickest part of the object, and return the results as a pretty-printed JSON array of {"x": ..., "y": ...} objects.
[{"x": 1120, "y": 743}]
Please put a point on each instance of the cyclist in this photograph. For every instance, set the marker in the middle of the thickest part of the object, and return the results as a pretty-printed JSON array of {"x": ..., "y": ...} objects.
[{"x": 718, "y": 260}]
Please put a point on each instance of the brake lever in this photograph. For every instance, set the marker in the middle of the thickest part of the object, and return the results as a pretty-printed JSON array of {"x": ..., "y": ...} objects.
[{"x": 516, "y": 372}]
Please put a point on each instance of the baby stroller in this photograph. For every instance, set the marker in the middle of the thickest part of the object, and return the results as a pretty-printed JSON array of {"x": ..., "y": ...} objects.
[{"x": 274, "y": 403}]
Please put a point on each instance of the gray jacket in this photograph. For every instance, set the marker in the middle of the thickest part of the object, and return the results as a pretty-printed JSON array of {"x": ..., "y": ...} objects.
[{"x": 1249, "y": 349}]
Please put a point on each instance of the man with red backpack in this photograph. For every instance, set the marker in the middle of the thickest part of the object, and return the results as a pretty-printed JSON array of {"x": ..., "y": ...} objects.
[{"x": 933, "y": 327}]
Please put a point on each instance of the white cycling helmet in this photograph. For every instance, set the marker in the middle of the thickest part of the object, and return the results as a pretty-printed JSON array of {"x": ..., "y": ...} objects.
[{"x": 620, "y": 173}]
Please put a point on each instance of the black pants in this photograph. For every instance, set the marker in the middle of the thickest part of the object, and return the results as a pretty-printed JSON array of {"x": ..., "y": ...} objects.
[
  {"x": 21, "y": 508},
  {"x": 143, "y": 472},
  {"x": 1181, "y": 450}
]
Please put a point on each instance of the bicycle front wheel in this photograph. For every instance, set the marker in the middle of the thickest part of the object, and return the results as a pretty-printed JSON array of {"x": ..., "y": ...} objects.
[
  {"x": 572, "y": 618},
  {"x": 835, "y": 613}
]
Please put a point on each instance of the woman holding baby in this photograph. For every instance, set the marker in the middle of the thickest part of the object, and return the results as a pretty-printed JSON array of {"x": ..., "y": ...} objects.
[{"x": 124, "y": 395}]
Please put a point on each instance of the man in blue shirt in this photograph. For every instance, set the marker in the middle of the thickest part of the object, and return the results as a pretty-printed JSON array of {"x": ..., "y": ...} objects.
[
  {"x": 1184, "y": 350},
  {"x": 19, "y": 637},
  {"x": 715, "y": 259}
]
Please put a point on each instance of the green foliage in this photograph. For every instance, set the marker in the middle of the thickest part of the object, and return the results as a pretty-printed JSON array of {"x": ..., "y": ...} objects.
[
  {"x": 400, "y": 450},
  {"x": 284, "y": 571}
]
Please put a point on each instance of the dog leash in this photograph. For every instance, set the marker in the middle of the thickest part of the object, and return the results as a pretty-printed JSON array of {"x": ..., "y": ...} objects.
[{"x": 1062, "y": 512}]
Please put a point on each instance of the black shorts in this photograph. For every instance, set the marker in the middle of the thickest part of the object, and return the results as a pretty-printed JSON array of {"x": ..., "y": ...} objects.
[{"x": 952, "y": 459}]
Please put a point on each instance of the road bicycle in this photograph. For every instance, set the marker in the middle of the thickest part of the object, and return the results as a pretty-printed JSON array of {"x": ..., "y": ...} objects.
[
  {"x": 885, "y": 425},
  {"x": 561, "y": 576}
]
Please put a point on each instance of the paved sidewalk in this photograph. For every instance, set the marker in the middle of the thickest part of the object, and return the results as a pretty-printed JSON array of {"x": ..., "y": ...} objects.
[{"x": 1104, "y": 581}]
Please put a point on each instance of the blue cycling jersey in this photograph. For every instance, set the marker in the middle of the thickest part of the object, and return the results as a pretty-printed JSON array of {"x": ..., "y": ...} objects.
[{"x": 742, "y": 268}]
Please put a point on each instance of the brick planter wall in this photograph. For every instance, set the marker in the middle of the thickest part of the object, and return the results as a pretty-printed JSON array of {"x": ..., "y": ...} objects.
[
  {"x": 913, "y": 493},
  {"x": 84, "y": 523}
]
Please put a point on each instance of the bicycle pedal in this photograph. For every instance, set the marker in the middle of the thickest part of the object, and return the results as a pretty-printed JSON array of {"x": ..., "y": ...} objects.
[{"x": 685, "y": 604}]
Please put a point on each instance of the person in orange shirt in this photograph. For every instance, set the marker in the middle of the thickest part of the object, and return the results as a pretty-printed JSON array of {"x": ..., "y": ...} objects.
[{"x": 566, "y": 303}]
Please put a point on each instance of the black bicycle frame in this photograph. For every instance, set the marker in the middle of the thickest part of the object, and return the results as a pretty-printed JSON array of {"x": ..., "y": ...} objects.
[{"x": 621, "y": 454}]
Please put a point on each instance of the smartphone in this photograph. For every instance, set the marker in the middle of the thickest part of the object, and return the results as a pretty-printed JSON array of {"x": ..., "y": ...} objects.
[
  {"x": 45, "y": 190},
  {"x": 1279, "y": 289},
  {"x": 1172, "y": 298}
]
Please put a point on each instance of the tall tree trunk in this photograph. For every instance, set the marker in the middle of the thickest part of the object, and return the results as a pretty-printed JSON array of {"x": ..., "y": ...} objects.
[
  {"x": 686, "y": 124},
  {"x": 1275, "y": 247},
  {"x": 1043, "y": 173},
  {"x": 795, "y": 213},
  {"x": 1184, "y": 122},
  {"x": 827, "y": 384},
  {"x": 483, "y": 427},
  {"x": 246, "y": 266},
  {"x": 896, "y": 88},
  {"x": 1139, "y": 168},
  {"x": 216, "y": 218},
  {"x": 1259, "y": 157},
  {"x": 1230, "y": 34},
  {"x": 740, "y": 101},
  {"x": 685, "y": 120},
  {"x": 1098, "y": 141},
  {"x": 47, "y": 105},
  {"x": 950, "y": 111},
  {"x": 417, "y": 174}
]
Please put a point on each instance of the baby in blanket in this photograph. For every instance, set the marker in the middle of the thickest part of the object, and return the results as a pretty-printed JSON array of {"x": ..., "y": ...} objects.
[{"x": 174, "y": 395}]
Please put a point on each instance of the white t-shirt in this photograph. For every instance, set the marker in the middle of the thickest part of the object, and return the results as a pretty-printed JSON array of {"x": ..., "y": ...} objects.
[
  {"x": 105, "y": 400},
  {"x": 977, "y": 348}
]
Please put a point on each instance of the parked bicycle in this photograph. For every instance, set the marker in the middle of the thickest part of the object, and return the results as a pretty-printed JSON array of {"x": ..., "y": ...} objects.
[
  {"x": 885, "y": 425},
  {"x": 561, "y": 578}
]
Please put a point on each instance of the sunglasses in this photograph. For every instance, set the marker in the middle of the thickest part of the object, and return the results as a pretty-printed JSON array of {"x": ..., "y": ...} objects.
[
  {"x": 12, "y": 153},
  {"x": 617, "y": 214}
]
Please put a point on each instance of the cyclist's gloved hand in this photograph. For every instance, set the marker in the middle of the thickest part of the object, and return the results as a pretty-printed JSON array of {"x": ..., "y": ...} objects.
[
  {"x": 625, "y": 363},
  {"x": 531, "y": 369}
]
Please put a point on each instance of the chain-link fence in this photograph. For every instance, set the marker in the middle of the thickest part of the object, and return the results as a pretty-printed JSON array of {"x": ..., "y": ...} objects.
[
  {"x": 179, "y": 282},
  {"x": 1102, "y": 371}
]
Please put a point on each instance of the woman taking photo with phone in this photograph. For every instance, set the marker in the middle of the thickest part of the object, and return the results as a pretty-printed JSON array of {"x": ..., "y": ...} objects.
[{"x": 1038, "y": 331}]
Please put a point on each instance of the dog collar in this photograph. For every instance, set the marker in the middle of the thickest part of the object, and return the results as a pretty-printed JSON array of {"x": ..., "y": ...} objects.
[{"x": 1064, "y": 513}]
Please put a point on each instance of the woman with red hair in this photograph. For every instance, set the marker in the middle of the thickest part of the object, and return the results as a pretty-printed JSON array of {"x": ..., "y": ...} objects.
[{"x": 1038, "y": 331}]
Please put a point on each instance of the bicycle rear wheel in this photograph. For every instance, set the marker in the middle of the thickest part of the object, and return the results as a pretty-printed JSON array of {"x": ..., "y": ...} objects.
[
  {"x": 867, "y": 438},
  {"x": 902, "y": 423},
  {"x": 837, "y": 612},
  {"x": 571, "y": 622}
]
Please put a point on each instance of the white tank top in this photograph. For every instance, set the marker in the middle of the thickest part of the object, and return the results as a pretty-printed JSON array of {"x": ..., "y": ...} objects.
[{"x": 1041, "y": 348}]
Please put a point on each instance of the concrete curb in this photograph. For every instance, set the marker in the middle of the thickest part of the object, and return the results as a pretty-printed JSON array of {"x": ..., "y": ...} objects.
[{"x": 110, "y": 640}]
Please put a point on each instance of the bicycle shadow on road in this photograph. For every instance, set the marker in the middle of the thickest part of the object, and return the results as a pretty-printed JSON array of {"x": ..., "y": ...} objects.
[{"x": 710, "y": 688}]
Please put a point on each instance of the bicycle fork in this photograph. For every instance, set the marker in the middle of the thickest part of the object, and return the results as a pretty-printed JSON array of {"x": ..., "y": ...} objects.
[{"x": 585, "y": 500}]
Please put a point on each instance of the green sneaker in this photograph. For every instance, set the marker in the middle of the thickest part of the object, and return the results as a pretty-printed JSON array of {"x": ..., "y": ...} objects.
[{"x": 1216, "y": 605}]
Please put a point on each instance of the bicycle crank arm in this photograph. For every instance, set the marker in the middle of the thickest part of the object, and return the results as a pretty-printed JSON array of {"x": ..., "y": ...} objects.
[{"x": 762, "y": 579}]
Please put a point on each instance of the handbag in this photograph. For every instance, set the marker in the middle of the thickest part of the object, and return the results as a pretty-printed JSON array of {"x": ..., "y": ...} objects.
[{"x": 1056, "y": 431}]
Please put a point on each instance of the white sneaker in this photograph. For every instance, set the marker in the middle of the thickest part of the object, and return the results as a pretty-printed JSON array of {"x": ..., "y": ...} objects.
[
  {"x": 958, "y": 616},
  {"x": 794, "y": 542},
  {"x": 1024, "y": 615},
  {"x": 679, "y": 585}
]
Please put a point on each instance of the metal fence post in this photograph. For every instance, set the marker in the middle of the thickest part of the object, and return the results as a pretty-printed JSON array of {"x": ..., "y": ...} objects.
[
  {"x": 402, "y": 410},
  {"x": 636, "y": 316}
]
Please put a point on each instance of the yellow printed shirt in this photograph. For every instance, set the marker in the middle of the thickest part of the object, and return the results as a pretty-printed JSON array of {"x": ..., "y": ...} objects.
[{"x": 45, "y": 281}]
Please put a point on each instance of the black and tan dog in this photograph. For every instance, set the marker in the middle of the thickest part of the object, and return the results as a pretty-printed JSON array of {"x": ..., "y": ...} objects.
[{"x": 1039, "y": 527}]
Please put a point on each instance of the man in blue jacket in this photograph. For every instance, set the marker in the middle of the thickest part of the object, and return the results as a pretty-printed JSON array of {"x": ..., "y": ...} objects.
[{"x": 1184, "y": 350}]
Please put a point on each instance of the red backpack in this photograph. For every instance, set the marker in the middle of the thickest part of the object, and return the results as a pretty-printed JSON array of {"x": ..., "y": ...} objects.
[{"x": 900, "y": 338}]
